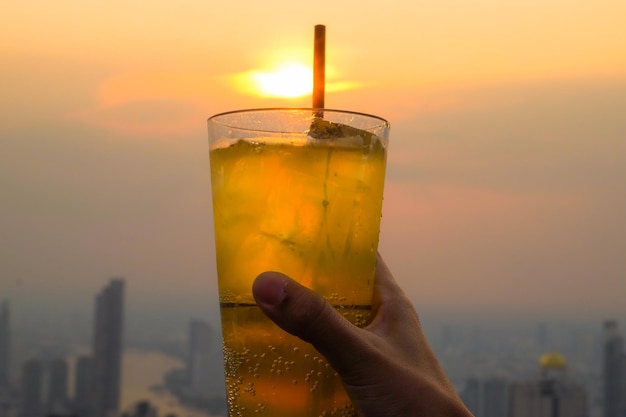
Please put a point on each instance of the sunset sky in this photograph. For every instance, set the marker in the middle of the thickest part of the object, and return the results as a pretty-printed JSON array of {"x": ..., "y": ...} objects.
[{"x": 506, "y": 187}]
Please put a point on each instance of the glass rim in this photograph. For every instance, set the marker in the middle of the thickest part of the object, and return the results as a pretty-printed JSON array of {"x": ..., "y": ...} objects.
[{"x": 383, "y": 123}]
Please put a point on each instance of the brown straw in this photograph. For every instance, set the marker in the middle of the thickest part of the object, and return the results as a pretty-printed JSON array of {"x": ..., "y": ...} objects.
[{"x": 319, "y": 69}]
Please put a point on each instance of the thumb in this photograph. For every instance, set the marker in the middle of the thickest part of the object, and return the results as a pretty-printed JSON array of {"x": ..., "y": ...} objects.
[{"x": 303, "y": 313}]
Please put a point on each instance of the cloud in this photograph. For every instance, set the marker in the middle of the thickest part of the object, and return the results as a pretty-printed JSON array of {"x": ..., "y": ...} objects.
[{"x": 145, "y": 118}]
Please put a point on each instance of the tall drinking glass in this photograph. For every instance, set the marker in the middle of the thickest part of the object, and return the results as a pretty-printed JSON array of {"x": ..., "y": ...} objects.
[{"x": 297, "y": 191}]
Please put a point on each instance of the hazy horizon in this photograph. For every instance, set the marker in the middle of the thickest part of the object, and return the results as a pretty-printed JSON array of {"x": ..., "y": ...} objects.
[{"x": 505, "y": 190}]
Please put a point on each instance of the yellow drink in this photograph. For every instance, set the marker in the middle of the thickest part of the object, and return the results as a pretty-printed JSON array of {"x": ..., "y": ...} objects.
[{"x": 311, "y": 211}]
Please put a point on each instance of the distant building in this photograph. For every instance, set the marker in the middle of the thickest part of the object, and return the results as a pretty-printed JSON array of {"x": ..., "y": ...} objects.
[
  {"x": 7, "y": 404},
  {"x": 57, "y": 393},
  {"x": 199, "y": 359},
  {"x": 495, "y": 397},
  {"x": 5, "y": 345},
  {"x": 107, "y": 349},
  {"x": 550, "y": 395},
  {"x": 614, "y": 371},
  {"x": 486, "y": 397},
  {"x": 471, "y": 395},
  {"x": 32, "y": 388},
  {"x": 141, "y": 409},
  {"x": 83, "y": 387}
]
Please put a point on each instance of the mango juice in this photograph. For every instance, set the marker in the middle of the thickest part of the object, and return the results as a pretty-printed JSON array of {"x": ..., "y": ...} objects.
[{"x": 312, "y": 211}]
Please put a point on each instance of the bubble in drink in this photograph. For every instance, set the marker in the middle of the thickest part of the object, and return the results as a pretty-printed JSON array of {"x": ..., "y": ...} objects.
[{"x": 290, "y": 380}]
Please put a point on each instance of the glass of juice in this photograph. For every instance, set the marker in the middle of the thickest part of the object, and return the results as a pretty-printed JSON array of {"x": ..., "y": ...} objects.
[{"x": 297, "y": 191}]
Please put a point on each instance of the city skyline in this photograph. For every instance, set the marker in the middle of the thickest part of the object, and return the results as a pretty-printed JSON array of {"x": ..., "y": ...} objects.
[
  {"x": 491, "y": 364},
  {"x": 504, "y": 195},
  {"x": 552, "y": 394},
  {"x": 43, "y": 386}
]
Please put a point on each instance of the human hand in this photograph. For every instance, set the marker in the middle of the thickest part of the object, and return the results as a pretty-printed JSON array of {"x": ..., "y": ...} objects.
[{"x": 388, "y": 368}]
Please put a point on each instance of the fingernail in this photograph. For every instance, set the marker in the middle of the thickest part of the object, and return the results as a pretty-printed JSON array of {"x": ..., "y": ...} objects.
[{"x": 269, "y": 288}]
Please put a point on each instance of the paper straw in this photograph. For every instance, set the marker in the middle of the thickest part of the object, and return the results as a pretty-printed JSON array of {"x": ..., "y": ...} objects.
[{"x": 319, "y": 68}]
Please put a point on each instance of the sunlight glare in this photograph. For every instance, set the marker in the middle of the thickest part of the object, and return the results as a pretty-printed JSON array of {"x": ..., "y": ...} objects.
[{"x": 289, "y": 80}]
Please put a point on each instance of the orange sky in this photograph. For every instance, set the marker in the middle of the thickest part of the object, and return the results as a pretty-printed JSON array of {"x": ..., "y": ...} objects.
[{"x": 505, "y": 166}]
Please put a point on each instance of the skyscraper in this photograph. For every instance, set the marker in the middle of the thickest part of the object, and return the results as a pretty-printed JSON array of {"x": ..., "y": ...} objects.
[
  {"x": 83, "y": 386},
  {"x": 32, "y": 388},
  {"x": 107, "y": 348},
  {"x": 5, "y": 345},
  {"x": 199, "y": 359},
  {"x": 57, "y": 398},
  {"x": 495, "y": 397},
  {"x": 486, "y": 397},
  {"x": 614, "y": 371},
  {"x": 550, "y": 395}
]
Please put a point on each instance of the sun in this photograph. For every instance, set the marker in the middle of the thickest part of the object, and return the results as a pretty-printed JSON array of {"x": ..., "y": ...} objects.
[{"x": 289, "y": 80}]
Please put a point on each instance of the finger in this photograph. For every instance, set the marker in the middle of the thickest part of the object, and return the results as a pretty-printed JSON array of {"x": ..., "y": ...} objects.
[{"x": 305, "y": 314}]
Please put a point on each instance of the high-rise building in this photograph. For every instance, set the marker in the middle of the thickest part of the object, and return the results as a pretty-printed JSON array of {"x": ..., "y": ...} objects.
[
  {"x": 495, "y": 397},
  {"x": 32, "y": 388},
  {"x": 486, "y": 397},
  {"x": 199, "y": 359},
  {"x": 614, "y": 372},
  {"x": 552, "y": 394},
  {"x": 6, "y": 404},
  {"x": 471, "y": 395},
  {"x": 5, "y": 345},
  {"x": 83, "y": 386},
  {"x": 57, "y": 393},
  {"x": 107, "y": 348}
]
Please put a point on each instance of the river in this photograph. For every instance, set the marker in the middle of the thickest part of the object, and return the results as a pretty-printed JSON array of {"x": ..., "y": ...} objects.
[{"x": 143, "y": 370}]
